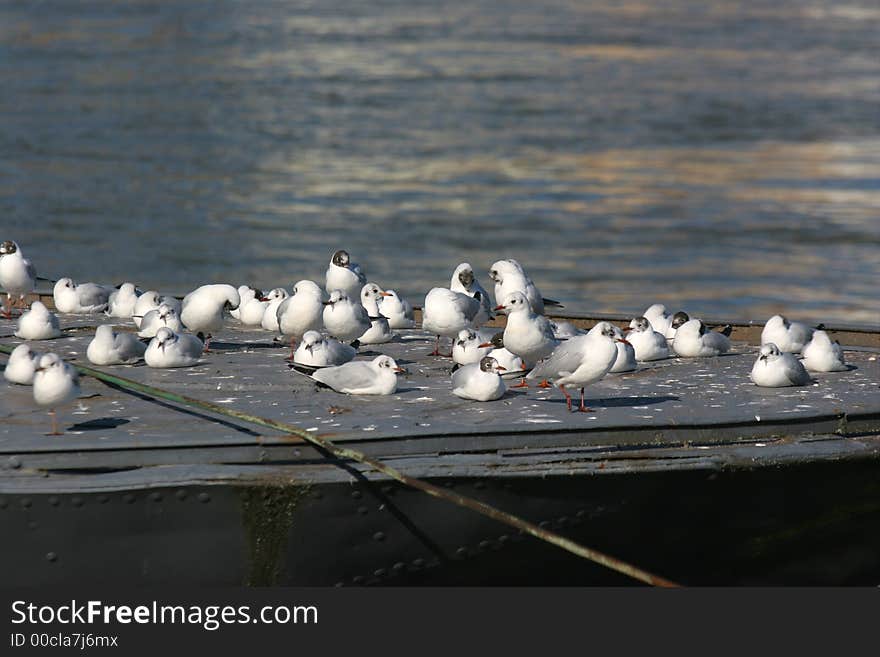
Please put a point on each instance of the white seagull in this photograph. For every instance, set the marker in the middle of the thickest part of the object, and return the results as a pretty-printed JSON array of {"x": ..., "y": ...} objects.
[
  {"x": 677, "y": 320},
  {"x": 647, "y": 343},
  {"x": 445, "y": 313},
  {"x": 315, "y": 350},
  {"x": 581, "y": 360},
  {"x": 55, "y": 383},
  {"x": 464, "y": 281},
  {"x": 399, "y": 311},
  {"x": 380, "y": 330},
  {"x": 470, "y": 346},
  {"x": 275, "y": 298},
  {"x": 17, "y": 275},
  {"x": 122, "y": 301},
  {"x": 659, "y": 319},
  {"x": 822, "y": 354},
  {"x": 480, "y": 381},
  {"x": 374, "y": 377},
  {"x": 514, "y": 366},
  {"x": 509, "y": 277},
  {"x": 787, "y": 336},
  {"x": 155, "y": 319},
  {"x": 626, "y": 354},
  {"x": 775, "y": 369},
  {"x": 245, "y": 293},
  {"x": 111, "y": 348},
  {"x": 302, "y": 312},
  {"x": 204, "y": 309},
  {"x": 38, "y": 323},
  {"x": 252, "y": 308},
  {"x": 149, "y": 300},
  {"x": 80, "y": 299},
  {"x": 170, "y": 349},
  {"x": 694, "y": 340},
  {"x": 527, "y": 334},
  {"x": 343, "y": 274},
  {"x": 345, "y": 319},
  {"x": 22, "y": 364}
]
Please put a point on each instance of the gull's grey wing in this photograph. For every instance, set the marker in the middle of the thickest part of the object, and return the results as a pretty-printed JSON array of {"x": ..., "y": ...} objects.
[
  {"x": 128, "y": 345},
  {"x": 351, "y": 376},
  {"x": 546, "y": 327},
  {"x": 795, "y": 370},
  {"x": 565, "y": 358},
  {"x": 339, "y": 353},
  {"x": 31, "y": 270},
  {"x": 800, "y": 332},
  {"x": 467, "y": 305},
  {"x": 356, "y": 268},
  {"x": 90, "y": 294}
]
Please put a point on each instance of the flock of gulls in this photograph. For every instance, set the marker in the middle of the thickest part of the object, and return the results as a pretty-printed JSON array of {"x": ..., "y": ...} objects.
[{"x": 325, "y": 327}]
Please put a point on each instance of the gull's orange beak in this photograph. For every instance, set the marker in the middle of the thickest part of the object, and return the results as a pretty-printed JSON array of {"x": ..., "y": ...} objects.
[
  {"x": 485, "y": 344},
  {"x": 399, "y": 370},
  {"x": 499, "y": 307},
  {"x": 500, "y": 367},
  {"x": 384, "y": 294},
  {"x": 623, "y": 340},
  {"x": 264, "y": 298}
]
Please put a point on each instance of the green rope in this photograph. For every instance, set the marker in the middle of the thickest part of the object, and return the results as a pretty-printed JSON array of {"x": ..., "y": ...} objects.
[{"x": 359, "y": 457}]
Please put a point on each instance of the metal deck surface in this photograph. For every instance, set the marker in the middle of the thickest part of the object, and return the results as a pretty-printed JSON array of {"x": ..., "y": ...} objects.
[{"x": 675, "y": 403}]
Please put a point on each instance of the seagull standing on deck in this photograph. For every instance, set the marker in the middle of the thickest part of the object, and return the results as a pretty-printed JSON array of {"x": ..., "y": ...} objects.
[
  {"x": 581, "y": 360},
  {"x": 17, "y": 275},
  {"x": 55, "y": 383},
  {"x": 398, "y": 311},
  {"x": 301, "y": 312},
  {"x": 343, "y": 274},
  {"x": 509, "y": 277},
  {"x": 205, "y": 308},
  {"x": 445, "y": 313},
  {"x": 528, "y": 334},
  {"x": 464, "y": 281},
  {"x": 345, "y": 319}
]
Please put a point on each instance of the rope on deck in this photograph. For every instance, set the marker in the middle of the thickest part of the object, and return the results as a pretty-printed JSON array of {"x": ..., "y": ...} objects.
[{"x": 345, "y": 453}]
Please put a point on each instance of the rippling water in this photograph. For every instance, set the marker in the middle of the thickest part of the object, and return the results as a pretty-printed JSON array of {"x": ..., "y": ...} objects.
[{"x": 721, "y": 158}]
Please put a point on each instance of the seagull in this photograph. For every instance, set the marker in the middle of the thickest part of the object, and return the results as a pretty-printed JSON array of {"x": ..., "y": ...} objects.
[
  {"x": 470, "y": 346},
  {"x": 824, "y": 355},
  {"x": 146, "y": 302},
  {"x": 775, "y": 369},
  {"x": 301, "y": 313},
  {"x": 380, "y": 330},
  {"x": 580, "y": 361},
  {"x": 155, "y": 319},
  {"x": 527, "y": 334},
  {"x": 17, "y": 275},
  {"x": 22, "y": 364},
  {"x": 39, "y": 323},
  {"x": 510, "y": 277},
  {"x": 111, "y": 348},
  {"x": 787, "y": 336},
  {"x": 80, "y": 299},
  {"x": 122, "y": 301},
  {"x": 626, "y": 354},
  {"x": 170, "y": 349},
  {"x": 343, "y": 274},
  {"x": 464, "y": 281},
  {"x": 344, "y": 319},
  {"x": 647, "y": 343},
  {"x": 203, "y": 309},
  {"x": 252, "y": 307},
  {"x": 55, "y": 383},
  {"x": 399, "y": 311},
  {"x": 694, "y": 340},
  {"x": 315, "y": 350},
  {"x": 445, "y": 313},
  {"x": 245, "y": 293},
  {"x": 480, "y": 381},
  {"x": 678, "y": 319},
  {"x": 374, "y": 377},
  {"x": 275, "y": 298},
  {"x": 659, "y": 319},
  {"x": 514, "y": 365}
]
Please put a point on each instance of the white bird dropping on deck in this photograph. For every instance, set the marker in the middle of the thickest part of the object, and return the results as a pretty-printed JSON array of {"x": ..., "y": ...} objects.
[
  {"x": 375, "y": 377},
  {"x": 399, "y": 311},
  {"x": 22, "y": 365},
  {"x": 775, "y": 369},
  {"x": 121, "y": 302},
  {"x": 510, "y": 277},
  {"x": 786, "y": 335},
  {"x": 155, "y": 319},
  {"x": 480, "y": 381},
  {"x": 582, "y": 360},
  {"x": 55, "y": 383},
  {"x": 111, "y": 348},
  {"x": 527, "y": 334},
  {"x": 315, "y": 350},
  {"x": 345, "y": 319},
  {"x": 822, "y": 354},
  {"x": 380, "y": 330},
  {"x": 343, "y": 274},
  {"x": 301, "y": 312},
  {"x": 170, "y": 349},
  {"x": 82, "y": 298},
  {"x": 694, "y": 340},
  {"x": 647, "y": 343},
  {"x": 204, "y": 308},
  {"x": 276, "y": 297},
  {"x": 464, "y": 281},
  {"x": 38, "y": 323},
  {"x": 17, "y": 275}
]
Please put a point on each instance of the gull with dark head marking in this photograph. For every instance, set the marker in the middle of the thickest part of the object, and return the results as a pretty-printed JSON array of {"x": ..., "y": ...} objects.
[
  {"x": 513, "y": 365},
  {"x": 380, "y": 330},
  {"x": 22, "y": 364},
  {"x": 464, "y": 281},
  {"x": 509, "y": 277},
  {"x": 316, "y": 350},
  {"x": 374, "y": 377},
  {"x": 647, "y": 343},
  {"x": 480, "y": 381},
  {"x": 18, "y": 277},
  {"x": 445, "y": 313},
  {"x": 170, "y": 349},
  {"x": 111, "y": 348},
  {"x": 786, "y": 335},
  {"x": 581, "y": 360},
  {"x": 82, "y": 298},
  {"x": 527, "y": 334},
  {"x": 344, "y": 318},
  {"x": 343, "y": 274},
  {"x": 38, "y": 323},
  {"x": 822, "y": 354},
  {"x": 776, "y": 369},
  {"x": 301, "y": 313},
  {"x": 677, "y": 320},
  {"x": 694, "y": 340},
  {"x": 55, "y": 384}
]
